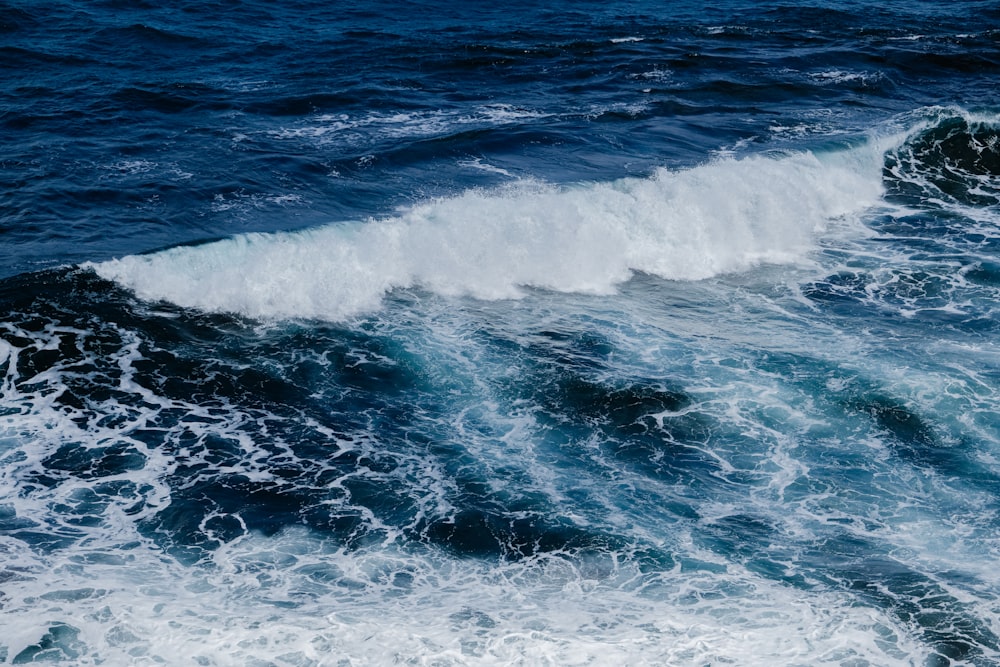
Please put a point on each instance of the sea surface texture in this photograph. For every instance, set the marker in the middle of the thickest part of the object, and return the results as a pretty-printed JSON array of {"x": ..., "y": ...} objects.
[{"x": 500, "y": 333}]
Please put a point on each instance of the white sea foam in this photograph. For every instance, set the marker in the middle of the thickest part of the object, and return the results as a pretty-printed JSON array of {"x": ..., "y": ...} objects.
[
  {"x": 656, "y": 74},
  {"x": 316, "y": 607},
  {"x": 241, "y": 202},
  {"x": 299, "y": 598},
  {"x": 477, "y": 163},
  {"x": 348, "y": 129},
  {"x": 841, "y": 76},
  {"x": 725, "y": 216}
]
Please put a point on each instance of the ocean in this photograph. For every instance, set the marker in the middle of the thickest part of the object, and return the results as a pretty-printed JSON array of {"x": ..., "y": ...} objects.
[{"x": 590, "y": 333}]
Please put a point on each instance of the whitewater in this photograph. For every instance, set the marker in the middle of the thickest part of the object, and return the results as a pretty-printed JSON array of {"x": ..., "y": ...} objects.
[
  {"x": 365, "y": 334},
  {"x": 722, "y": 217}
]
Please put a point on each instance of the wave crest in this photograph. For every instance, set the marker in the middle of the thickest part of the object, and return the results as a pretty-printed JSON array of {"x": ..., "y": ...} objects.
[{"x": 726, "y": 216}]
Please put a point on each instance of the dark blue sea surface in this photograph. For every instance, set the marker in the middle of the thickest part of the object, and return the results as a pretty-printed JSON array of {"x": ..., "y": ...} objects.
[{"x": 617, "y": 333}]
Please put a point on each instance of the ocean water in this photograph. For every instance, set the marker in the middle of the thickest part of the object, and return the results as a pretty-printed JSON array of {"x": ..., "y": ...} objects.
[{"x": 593, "y": 333}]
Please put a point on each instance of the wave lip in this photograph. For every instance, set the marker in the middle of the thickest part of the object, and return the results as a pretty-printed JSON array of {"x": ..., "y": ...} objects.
[{"x": 725, "y": 216}]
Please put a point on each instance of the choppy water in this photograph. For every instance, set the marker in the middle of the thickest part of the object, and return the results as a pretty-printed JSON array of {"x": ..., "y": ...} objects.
[{"x": 592, "y": 333}]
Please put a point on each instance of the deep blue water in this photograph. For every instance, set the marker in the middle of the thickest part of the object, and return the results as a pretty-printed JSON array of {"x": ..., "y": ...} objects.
[{"x": 619, "y": 333}]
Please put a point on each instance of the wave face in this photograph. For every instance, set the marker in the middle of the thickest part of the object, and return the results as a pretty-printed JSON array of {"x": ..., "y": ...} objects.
[
  {"x": 722, "y": 217},
  {"x": 620, "y": 333},
  {"x": 953, "y": 159}
]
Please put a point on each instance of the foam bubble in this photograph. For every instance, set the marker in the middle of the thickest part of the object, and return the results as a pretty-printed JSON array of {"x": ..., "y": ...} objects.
[
  {"x": 300, "y": 597},
  {"x": 726, "y": 216},
  {"x": 329, "y": 129},
  {"x": 288, "y": 600},
  {"x": 842, "y": 76}
]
